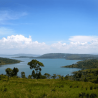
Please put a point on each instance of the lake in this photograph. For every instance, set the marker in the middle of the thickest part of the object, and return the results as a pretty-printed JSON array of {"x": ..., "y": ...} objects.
[{"x": 51, "y": 66}]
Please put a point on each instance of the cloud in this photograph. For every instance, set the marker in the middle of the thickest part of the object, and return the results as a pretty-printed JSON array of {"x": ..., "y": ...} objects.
[
  {"x": 84, "y": 41},
  {"x": 21, "y": 44},
  {"x": 84, "y": 44},
  {"x": 78, "y": 44},
  {"x": 58, "y": 45},
  {"x": 10, "y": 15},
  {"x": 83, "y": 38}
]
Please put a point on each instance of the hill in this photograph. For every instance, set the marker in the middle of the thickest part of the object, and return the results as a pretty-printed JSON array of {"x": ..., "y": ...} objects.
[
  {"x": 4, "y": 61},
  {"x": 86, "y": 64},
  {"x": 69, "y": 56}
]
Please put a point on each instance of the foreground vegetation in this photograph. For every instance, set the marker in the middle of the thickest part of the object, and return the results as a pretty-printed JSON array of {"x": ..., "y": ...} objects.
[
  {"x": 46, "y": 88},
  {"x": 82, "y": 84}
]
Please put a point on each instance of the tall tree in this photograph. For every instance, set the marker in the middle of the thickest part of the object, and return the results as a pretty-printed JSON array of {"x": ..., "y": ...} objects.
[
  {"x": 33, "y": 74},
  {"x": 8, "y": 72},
  {"x": 14, "y": 71},
  {"x": 34, "y": 64}
]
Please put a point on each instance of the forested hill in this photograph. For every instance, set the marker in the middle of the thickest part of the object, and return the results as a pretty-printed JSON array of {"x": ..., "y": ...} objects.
[
  {"x": 86, "y": 64},
  {"x": 53, "y": 55},
  {"x": 69, "y": 56},
  {"x": 4, "y": 61}
]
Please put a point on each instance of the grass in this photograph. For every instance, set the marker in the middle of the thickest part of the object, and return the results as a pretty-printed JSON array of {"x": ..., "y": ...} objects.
[{"x": 46, "y": 88}]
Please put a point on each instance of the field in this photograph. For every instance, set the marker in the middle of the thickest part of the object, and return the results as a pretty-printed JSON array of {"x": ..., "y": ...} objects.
[{"x": 46, "y": 88}]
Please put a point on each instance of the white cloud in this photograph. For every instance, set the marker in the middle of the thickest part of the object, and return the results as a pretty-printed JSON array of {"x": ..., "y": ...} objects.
[
  {"x": 84, "y": 44},
  {"x": 21, "y": 44},
  {"x": 58, "y": 45},
  {"x": 83, "y": 38}
]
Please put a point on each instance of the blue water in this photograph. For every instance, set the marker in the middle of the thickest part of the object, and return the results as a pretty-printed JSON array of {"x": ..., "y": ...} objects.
[{"x": 51, "y": 66}]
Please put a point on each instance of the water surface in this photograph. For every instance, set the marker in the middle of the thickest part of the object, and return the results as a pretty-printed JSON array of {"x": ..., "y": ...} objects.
[{"x": 51, "y": 66}]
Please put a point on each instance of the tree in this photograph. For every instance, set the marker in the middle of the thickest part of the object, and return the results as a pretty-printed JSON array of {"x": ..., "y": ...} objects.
[
  {"x": 14, "y": 71},
  {"x": 34, "y": 64},
  {"x": 30, "y": 77},
  {"x": 33, "y": 74},
  {"x": 11, "y": 72},
  {"x": 23, "y": 74},
  {"x": 54, "y": 76},
  {"x": 47, "y": 75},
  {"x": 8, "y": 72},
  {"x": 39, "y": 75},
  {"x": 59, "y": 76},
  {"x": 66, "y": 77}
]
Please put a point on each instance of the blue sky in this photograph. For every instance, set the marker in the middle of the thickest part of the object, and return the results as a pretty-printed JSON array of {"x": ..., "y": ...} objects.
[{"x": 48, "y": 26}]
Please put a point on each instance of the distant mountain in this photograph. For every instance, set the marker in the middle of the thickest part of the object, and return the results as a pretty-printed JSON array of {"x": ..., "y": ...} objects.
[
  {"x": 69, "y": 56},
  {"x": 26, "y": 55},
  {"x": 54, "y": 55}
]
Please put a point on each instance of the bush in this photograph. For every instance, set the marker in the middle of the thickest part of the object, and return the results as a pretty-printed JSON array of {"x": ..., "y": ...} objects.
[
  {"x": 30, "y": 77},
  {"x": 85, "y": 80},
  {"x": 91, "y": 88},
  {"x": 43, "y": 77}
]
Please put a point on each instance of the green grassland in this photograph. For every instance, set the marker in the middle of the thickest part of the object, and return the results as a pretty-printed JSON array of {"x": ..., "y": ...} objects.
[{"x": 46, "y": 88}]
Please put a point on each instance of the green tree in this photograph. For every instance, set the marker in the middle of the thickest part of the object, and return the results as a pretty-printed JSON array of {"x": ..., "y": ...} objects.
[
  {"x": 39, "y": 75},
  {"x": 30, "y": 77},
  {"x": 59, "y": 76},
  {"x": 33, "y": 74},
  {"x": 34, "y": 64},
  {"x": 66, "y": 77},
  {"x": 14, "y": 71},
  {"x": 54, "y": 76},
  {"x": 23, "y": 74},
  {"x": 8, "y": 72},
  {"x": 47, "y": 75}
]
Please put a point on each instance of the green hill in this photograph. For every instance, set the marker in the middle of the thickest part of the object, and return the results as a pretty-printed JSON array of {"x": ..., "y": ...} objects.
[
  {"x": 69, "y": 56},
  {"x": 4, "y": 61},
  {"x": 86, "y": 64}
]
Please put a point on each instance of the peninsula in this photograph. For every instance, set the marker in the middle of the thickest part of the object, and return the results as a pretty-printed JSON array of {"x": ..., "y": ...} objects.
[{"x": 4, "y": 61}]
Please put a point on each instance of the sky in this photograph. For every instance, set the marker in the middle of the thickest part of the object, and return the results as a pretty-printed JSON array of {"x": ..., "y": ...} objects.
[{"x": 48, "y": 26}]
